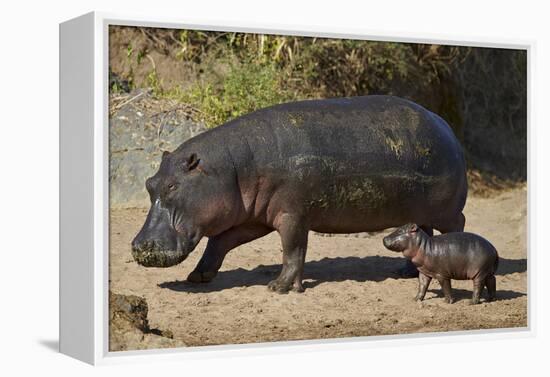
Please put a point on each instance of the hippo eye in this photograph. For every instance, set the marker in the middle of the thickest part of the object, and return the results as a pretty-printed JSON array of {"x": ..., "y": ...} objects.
[{"x": 172, "y": 186}]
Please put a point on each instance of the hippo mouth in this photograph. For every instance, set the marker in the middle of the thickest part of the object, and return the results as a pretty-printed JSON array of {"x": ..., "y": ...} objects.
[
  {"x": 158, "y": 244},
  {"x": 153, "y": 254},
  {"x": 392, "y": 244},
  {"x": 158, "y": 258}
]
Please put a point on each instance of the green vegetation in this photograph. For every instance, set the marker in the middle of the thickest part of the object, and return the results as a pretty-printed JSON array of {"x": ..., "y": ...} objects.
[
  {"x": 247, "y": 87},
  {"x": 230, "y": 74}
]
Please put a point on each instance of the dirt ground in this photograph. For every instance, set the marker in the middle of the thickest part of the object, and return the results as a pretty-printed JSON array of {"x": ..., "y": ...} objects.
[{"x": 351, "y": 288}]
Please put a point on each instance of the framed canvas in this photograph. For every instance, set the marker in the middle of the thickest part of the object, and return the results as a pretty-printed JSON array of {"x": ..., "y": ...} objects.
[{"x": 200, "y": 162}]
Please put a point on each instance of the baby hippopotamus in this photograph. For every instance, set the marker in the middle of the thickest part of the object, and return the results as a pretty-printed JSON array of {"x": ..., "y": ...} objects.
[{"x": 459, "y": 255}]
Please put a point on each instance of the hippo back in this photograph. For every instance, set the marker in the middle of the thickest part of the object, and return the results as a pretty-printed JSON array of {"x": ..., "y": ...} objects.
[{"x": 353, "y": 164}]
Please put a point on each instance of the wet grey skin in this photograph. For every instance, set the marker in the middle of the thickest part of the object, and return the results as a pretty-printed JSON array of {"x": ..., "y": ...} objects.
[
  {"x": 459, "y": 256},
  {"x": 341, "y": 165}
]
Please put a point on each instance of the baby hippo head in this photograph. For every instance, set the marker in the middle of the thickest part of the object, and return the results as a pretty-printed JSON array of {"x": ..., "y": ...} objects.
[{"x": 402, "y": 238}]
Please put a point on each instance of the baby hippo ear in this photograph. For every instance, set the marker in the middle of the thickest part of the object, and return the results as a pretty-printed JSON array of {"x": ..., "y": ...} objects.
[
  {"x": 413, "y": 228},
  {"x": 165, "y": 154},
  {"x": 192, "y": 162}
]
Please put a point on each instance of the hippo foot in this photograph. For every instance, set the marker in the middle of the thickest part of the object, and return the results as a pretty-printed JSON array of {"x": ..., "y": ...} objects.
[
  {"x": 298, "y": 288},
  {"x": 449, "y": 300},
  {"x": 201, "y": 277},
  {"x": 473, "y": 302},
  {"x": 418, "y": 298},
  {"x": 277, "y": 286}
]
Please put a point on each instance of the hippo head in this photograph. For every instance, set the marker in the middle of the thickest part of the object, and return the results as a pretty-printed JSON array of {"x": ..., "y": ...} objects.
[
  {"x": 402, "y": 238},
  {"x": 187, "y": 203}
]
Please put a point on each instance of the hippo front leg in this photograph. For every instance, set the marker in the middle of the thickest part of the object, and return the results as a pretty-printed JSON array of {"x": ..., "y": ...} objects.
[
  {"x": 218, "y": 247},
  {"x": 294, "y": 233},
  {"x": 423, "y": 284}
]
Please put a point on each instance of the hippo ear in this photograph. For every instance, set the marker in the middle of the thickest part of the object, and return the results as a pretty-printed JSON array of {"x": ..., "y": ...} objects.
[
  {"x": 192, "y": 162},
  {"x": 413, "y": 228},
  {"x": 165, "y": 154}
]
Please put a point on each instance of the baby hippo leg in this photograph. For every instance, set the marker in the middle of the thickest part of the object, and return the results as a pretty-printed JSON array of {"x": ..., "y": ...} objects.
[
  {"x": 491, "y": 284},
  {"x": 446, "y": 286},
  {"x": 479, "y": 284},
  {"x": 423, "y": 283}
]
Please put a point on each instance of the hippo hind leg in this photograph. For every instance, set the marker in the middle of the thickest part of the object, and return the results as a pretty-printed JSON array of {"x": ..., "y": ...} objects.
[
  {"x": 454, "y": 224},
  {"x": 491, "y": 284},
  {"x": 479, "y": 284},
  {"x": 294, "y": 234}
]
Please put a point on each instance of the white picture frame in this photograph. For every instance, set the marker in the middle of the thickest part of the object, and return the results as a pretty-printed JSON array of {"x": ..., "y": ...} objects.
[{"x": 84, "y": 192}]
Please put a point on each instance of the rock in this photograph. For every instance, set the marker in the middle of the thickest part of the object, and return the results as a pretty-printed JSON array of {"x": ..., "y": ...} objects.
[
  {"x": 129, "y": 328},
  {"x": 140, "y": 129},
  {"x": 128, "y": 310}
]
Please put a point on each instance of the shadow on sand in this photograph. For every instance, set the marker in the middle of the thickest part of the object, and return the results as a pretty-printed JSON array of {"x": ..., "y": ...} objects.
[
  {"x": 371, "y": 268},
  {"x": 465, "y": 294}
]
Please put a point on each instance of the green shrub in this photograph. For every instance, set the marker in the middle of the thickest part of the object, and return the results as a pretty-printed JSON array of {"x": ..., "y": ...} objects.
[
  {"x": 247, "y": 87},
  {"x": 230, "y": 74}
]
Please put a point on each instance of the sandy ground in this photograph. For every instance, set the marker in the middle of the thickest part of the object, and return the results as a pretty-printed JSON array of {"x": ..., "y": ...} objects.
[{"x": 351, "y": 288}]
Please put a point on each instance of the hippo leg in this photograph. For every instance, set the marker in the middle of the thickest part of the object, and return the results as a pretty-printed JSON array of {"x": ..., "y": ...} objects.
[
  {"x": 491, "y": 284},
  {"x": 298, "y": 287},
  {"x": 446, "y": 286},
  {"x": 423, "y": 283},
  {"x": 294, "y": 233},
  {"x": 218, "y": 247},
  {"x": 455, "y": 224},
  {"x": 479, "y": 284},
  {"x": 409, "y": 270}
]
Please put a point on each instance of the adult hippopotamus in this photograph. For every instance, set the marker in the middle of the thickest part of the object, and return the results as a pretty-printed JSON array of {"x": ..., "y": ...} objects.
[{"x": 340, "y": 165}]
